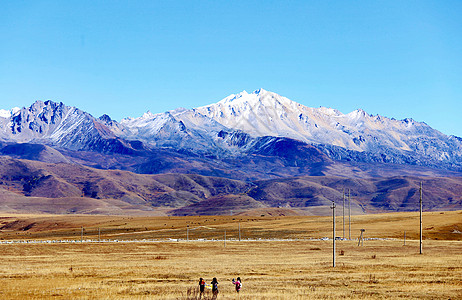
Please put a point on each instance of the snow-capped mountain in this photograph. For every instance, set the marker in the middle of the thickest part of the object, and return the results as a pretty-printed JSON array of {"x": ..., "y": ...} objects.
[
  {"x": 263, "y": 113},
  {"x": 258, "y": 145},
  {"x": 180, "y": 129},
  {"x": 8, "y": 113},
  {"x": 237, "y": 126},
  {"x": 56, "y": 124}
]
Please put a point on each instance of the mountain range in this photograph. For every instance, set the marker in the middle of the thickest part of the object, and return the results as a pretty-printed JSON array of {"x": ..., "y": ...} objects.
[{"x": 250, "y": 137}]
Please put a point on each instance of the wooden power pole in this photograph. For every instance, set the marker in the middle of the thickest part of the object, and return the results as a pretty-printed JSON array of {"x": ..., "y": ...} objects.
[
  {"x": 349, "y": 216},
  {"x": 333, "y": 233},
  {"x": 420, "y": 217},
  {"x": 343, "y": 208}
]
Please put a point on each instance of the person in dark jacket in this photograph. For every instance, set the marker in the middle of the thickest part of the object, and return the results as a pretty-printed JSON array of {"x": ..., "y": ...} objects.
[
  {"x": 201, "y": 285},
  {"x": 214, "y": 284}
]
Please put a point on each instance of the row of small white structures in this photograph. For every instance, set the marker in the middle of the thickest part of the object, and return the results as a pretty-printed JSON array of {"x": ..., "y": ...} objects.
[{"x": 7, "y": 242}]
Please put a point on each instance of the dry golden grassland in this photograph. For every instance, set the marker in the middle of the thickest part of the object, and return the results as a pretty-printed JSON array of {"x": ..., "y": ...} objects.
[
  {"x": 436, "y": 225},
  {"x": 297, "y": 269}
]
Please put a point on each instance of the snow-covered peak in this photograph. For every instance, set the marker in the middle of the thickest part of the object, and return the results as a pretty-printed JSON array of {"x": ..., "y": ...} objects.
[
  {"x": 234, "y": 98},
  {"x": 147, "y": 115},
  {"x": 273, "y": 99},
  {"x": 178, "y": 110},
  {"x": 259, "y": 91},
  {"x": 8, "y": 113},
  {"x": 329, "y": 111},
  {"x": 53, "y": 123},
  {"x": 357, "y": 114},
  {"x": 5, "y": 113},
  {"x": 144, "y": 117},
  {"x": 264, "y": 113},
  {"x": 246, "y": 101},
  {"x": 258, "y": 113},
  {"x": 155, "y": 121}
]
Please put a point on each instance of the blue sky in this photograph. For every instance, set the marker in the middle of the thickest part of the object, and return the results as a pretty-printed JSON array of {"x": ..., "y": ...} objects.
[{"x": 394, "y": 58}]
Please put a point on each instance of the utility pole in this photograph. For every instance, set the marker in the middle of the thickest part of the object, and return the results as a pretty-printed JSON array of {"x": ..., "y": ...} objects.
[
  {"x": 420, "y": 218},
  {"x": 225, "y": 238},
  {"x": 333, "y": 233},
  {"x": 404, "y": 238},
  {"x": 239, "y": 231},
  {"x": 187, "y": 233},
  {"x": 81, "y": 235},
  {"x": 349, "y": 216},
  {"x": 343, "y": 208},
  {"x": 99, "y": 234}
]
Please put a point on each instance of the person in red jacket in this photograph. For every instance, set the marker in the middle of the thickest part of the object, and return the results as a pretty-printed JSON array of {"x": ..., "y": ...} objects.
[{"x": 238, "y": 284}]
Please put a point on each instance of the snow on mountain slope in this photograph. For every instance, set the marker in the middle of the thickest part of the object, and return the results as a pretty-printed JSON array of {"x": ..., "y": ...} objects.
[
  {"x": 235, "y": 126},
  {"x": 55, "y": 124},
  {"x": 263, "y": 113},
  {"x": 149, "y": 125},
  {"x": 8, "y": 113},
  {"x": 260, "y": 113},
  {"x": 181, "y": 129}
]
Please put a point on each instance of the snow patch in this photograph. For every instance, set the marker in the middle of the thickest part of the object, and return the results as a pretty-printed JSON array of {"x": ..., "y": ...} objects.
[{"x": 9, "y": 113}]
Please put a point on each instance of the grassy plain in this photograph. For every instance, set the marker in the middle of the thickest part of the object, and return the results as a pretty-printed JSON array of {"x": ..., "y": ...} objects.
[{"x": 270, "y": 269}]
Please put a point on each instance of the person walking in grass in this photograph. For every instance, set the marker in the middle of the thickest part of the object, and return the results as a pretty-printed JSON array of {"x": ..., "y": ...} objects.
[
  {"x": 201, "y": 286},
  {"x": 214, "y": 284},
  {"x": 238, "y": 284}
]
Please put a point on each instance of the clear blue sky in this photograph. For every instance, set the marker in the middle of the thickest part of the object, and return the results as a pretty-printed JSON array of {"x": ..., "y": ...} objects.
[{"x": 394, "y": 58}]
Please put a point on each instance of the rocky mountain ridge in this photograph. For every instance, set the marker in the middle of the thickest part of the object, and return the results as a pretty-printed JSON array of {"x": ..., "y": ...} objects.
[
  {"x": 236, "y": 126},
  {"x": 263, "y": 113},
  {"x": 247, "y": 152}
]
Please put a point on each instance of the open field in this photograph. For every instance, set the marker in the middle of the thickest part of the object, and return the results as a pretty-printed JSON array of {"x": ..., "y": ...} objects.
[
  {"x": 437, "y": 226},
  {"x": 270, "y": 269}
]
